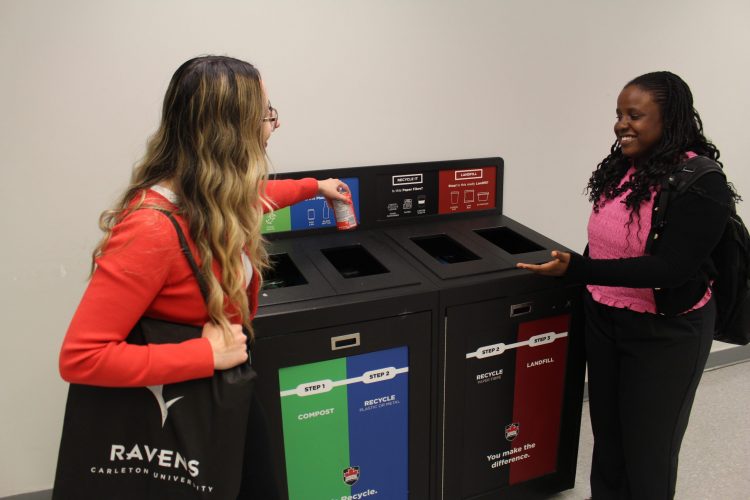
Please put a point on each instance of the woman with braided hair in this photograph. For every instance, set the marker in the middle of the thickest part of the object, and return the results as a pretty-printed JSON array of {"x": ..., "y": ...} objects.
[{"x": 649, "y": 313}]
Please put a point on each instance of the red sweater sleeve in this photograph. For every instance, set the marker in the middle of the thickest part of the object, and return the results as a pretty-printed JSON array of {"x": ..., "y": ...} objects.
[
  {"x": 285, "y": 192},
  {"x": 133, "y": 270}
]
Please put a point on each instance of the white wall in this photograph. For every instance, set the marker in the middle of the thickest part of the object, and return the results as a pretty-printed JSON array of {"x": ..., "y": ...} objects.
[{"x": 356, "y": 83}]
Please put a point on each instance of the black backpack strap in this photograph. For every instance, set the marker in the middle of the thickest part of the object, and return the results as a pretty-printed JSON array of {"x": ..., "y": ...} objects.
[
  {"x": 674, "y": 185},
  {"x": 691, "y": 171},
  {"x": 188, "y": 254}
]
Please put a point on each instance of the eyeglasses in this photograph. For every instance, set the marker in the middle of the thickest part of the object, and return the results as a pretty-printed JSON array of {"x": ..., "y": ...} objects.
[{"x": 273, "y": 116}]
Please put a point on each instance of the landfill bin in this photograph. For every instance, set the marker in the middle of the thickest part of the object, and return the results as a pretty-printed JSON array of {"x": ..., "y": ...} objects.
[{"x": 511, "y": 359}]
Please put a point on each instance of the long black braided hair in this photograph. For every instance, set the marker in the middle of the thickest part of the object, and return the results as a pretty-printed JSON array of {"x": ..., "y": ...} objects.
[{"x": 682, "y": 131}]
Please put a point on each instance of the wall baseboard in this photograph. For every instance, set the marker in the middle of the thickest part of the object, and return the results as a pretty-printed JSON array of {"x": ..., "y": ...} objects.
[
  {"x": 727, "y": 357},
  {"x": 717, "y": 359},
  {"x": 37, "y": 495}
]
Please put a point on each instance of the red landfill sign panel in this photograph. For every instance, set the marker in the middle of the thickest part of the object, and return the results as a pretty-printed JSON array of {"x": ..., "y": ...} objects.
[{"x": 467, "y": 190}]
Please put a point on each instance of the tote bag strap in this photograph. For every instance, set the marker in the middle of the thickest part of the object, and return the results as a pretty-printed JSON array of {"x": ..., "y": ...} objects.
[
  {"x": 188, "y": 254},
  {"x": 194, "y": 266}
]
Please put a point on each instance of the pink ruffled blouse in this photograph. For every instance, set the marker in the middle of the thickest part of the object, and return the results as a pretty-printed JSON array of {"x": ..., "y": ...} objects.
[{"x": 611, "y": 237}]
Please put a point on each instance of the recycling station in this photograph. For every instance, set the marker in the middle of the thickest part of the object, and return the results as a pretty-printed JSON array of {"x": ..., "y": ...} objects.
[{"x": 409, "y": 358}]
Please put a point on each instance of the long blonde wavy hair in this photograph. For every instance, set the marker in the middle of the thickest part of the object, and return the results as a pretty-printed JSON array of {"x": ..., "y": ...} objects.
[{"x": 211, "y": 145}]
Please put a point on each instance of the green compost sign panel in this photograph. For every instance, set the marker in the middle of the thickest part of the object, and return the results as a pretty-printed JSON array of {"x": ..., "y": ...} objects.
[{"x": 345, "y": 425}]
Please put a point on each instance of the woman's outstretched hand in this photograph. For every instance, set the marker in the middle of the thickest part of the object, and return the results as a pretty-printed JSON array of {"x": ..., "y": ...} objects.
[
  {"x": 227, "y": 354},
  {"x": 333, "y": 189},
  {"x": 556, "y": 267}
]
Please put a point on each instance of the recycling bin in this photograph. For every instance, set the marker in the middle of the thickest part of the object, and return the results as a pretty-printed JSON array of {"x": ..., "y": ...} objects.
[
  {"x": 410, "y": 358},
  {"x": 344, "y": 352}
]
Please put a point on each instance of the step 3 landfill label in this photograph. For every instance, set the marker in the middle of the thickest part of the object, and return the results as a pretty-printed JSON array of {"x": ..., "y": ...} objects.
[
  {"x": 345, "y": 425},
  {"x": 538, "y": 397}
]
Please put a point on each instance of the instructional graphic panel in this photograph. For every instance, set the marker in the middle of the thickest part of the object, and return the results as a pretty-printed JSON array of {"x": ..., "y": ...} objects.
[
  {"x": 467, "y": 190},
  {"x": 345, "y": 424},
  {"x": 313, "y": 213},
  {"x": 408, "y": 194},
  {"x": 514, "y": 390}
]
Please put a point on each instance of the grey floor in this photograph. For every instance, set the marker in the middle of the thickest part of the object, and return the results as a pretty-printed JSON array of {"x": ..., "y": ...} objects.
[{"x": 715, "y": 456}]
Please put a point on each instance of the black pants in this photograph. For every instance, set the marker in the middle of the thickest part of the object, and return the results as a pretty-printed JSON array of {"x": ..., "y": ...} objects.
[{"x": 643, "y": 372}]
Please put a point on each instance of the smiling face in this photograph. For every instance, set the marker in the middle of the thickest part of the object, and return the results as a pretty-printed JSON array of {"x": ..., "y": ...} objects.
[{"x": 639, "y": 122}]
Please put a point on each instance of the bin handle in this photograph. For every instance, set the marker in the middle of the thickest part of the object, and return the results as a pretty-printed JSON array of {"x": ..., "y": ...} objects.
[
  {"x": 345, "y": 341},
  {"x": 520, "y": 309}
]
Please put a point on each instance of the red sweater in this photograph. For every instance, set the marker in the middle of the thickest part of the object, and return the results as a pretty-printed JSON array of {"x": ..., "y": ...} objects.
[{"x": 144, "y": 273}]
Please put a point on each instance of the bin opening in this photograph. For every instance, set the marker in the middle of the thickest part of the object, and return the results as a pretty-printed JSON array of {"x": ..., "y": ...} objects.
[
  {"x": 282, "y": 273},
  {"x": 445, "y": 249},
  {"x": 353, "y": 261},
  {"x": 508, "y": 240}
]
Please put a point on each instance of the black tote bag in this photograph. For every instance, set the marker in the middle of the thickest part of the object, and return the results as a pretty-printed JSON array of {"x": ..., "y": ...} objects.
[{"x": 168, "y": 442}]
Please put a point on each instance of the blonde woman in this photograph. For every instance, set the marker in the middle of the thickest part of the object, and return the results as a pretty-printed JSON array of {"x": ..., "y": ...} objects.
[{"x": 207, "y": 165}]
